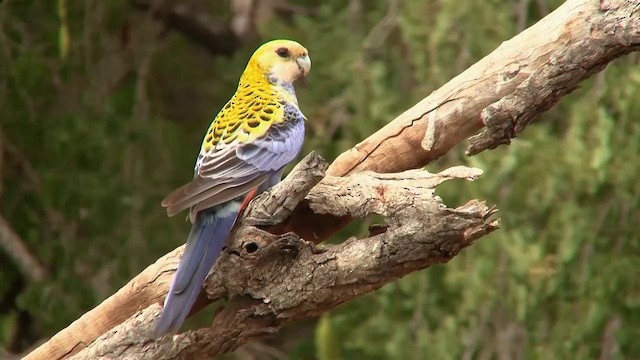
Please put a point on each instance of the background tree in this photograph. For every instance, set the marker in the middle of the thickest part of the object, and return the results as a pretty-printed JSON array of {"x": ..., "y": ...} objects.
[{"x": 104, "y": 104}]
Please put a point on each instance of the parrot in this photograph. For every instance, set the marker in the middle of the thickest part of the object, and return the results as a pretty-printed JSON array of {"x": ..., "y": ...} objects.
[{"x": 257, "y": 133}]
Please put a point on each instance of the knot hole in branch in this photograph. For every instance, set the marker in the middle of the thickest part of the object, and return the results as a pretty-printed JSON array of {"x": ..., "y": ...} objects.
[{"x": 250, "y": 247}]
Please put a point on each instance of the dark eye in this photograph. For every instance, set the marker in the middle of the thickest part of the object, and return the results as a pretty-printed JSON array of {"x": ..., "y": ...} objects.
[{"x": 283, "y": 52}]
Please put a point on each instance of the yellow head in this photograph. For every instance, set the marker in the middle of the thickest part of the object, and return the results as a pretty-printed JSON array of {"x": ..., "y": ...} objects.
[{"x": 281, "y": 60}]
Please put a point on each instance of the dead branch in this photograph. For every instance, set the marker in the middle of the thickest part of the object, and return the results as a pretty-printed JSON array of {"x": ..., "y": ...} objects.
[
  {"x": 274, "y": 279},
  {"x": 15, "y": 247},
  {"x": 213, "y": 33},
  {"x": 592, "y": 32},
  {"x": 580, "y": 37},
  {"x": 504, "y": 91},
  {"x": 155, "y": 279}
]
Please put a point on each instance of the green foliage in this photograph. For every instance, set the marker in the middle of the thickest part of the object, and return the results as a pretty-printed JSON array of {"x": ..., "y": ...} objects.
[{"x": 101, "y": 116}]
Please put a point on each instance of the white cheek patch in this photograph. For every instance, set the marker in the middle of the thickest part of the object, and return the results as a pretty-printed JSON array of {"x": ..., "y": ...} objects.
[{"x": 286, "y": 72}]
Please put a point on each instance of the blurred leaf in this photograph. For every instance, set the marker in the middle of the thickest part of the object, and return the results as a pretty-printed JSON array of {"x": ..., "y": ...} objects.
[
  {"x": 64, "y": 37},
  {"x": 327, "y": 345}
]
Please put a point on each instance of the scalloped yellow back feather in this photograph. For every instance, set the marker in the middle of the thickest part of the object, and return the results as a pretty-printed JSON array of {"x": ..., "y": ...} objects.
[{"x": 260, "y": 99}]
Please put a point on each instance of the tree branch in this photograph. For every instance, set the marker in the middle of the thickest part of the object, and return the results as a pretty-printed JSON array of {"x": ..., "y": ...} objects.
[
  {"x": 505, "y": 90},
  {"x": 13, "y": 245},
  {"x": 560, "y": 72},
  {"x": 274, "y": 279},
  {"x": 213, "y": 33},
  {"x": 594, "y": 32},
  {"x": 580, "y": 34}
]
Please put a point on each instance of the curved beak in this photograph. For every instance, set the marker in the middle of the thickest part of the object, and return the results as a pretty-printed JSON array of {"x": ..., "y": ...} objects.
[{"x": 304, "y": 63}]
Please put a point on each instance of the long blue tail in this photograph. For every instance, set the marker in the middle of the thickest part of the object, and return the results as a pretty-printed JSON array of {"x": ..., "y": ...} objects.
[{"x": 208, "y": 236}]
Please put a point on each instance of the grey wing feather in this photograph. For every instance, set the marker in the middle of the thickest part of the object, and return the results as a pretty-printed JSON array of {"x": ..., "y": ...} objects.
[{"x": 235, "y": 169}]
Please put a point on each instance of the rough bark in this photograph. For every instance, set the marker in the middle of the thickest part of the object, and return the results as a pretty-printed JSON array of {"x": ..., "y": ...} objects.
[
  {"x": 273, "y": 279},
  {"x": 504, "y": 91},
  {"x": 524, "y": 77}
]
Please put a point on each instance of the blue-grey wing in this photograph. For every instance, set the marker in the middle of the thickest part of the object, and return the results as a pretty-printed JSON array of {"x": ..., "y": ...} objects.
[{"x": 236, "y": 169}]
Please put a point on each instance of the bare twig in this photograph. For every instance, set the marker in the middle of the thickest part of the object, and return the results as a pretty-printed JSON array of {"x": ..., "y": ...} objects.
[
  {"x": 15, "y": 247},
  {"x": 610, "y": 346},
  {"x": 380, "y": 32},
  {"x": 212, "y": 33}
]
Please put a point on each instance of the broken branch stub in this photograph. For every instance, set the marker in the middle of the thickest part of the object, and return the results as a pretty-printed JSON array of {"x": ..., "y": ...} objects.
[{"x": 274, "y": 206}]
